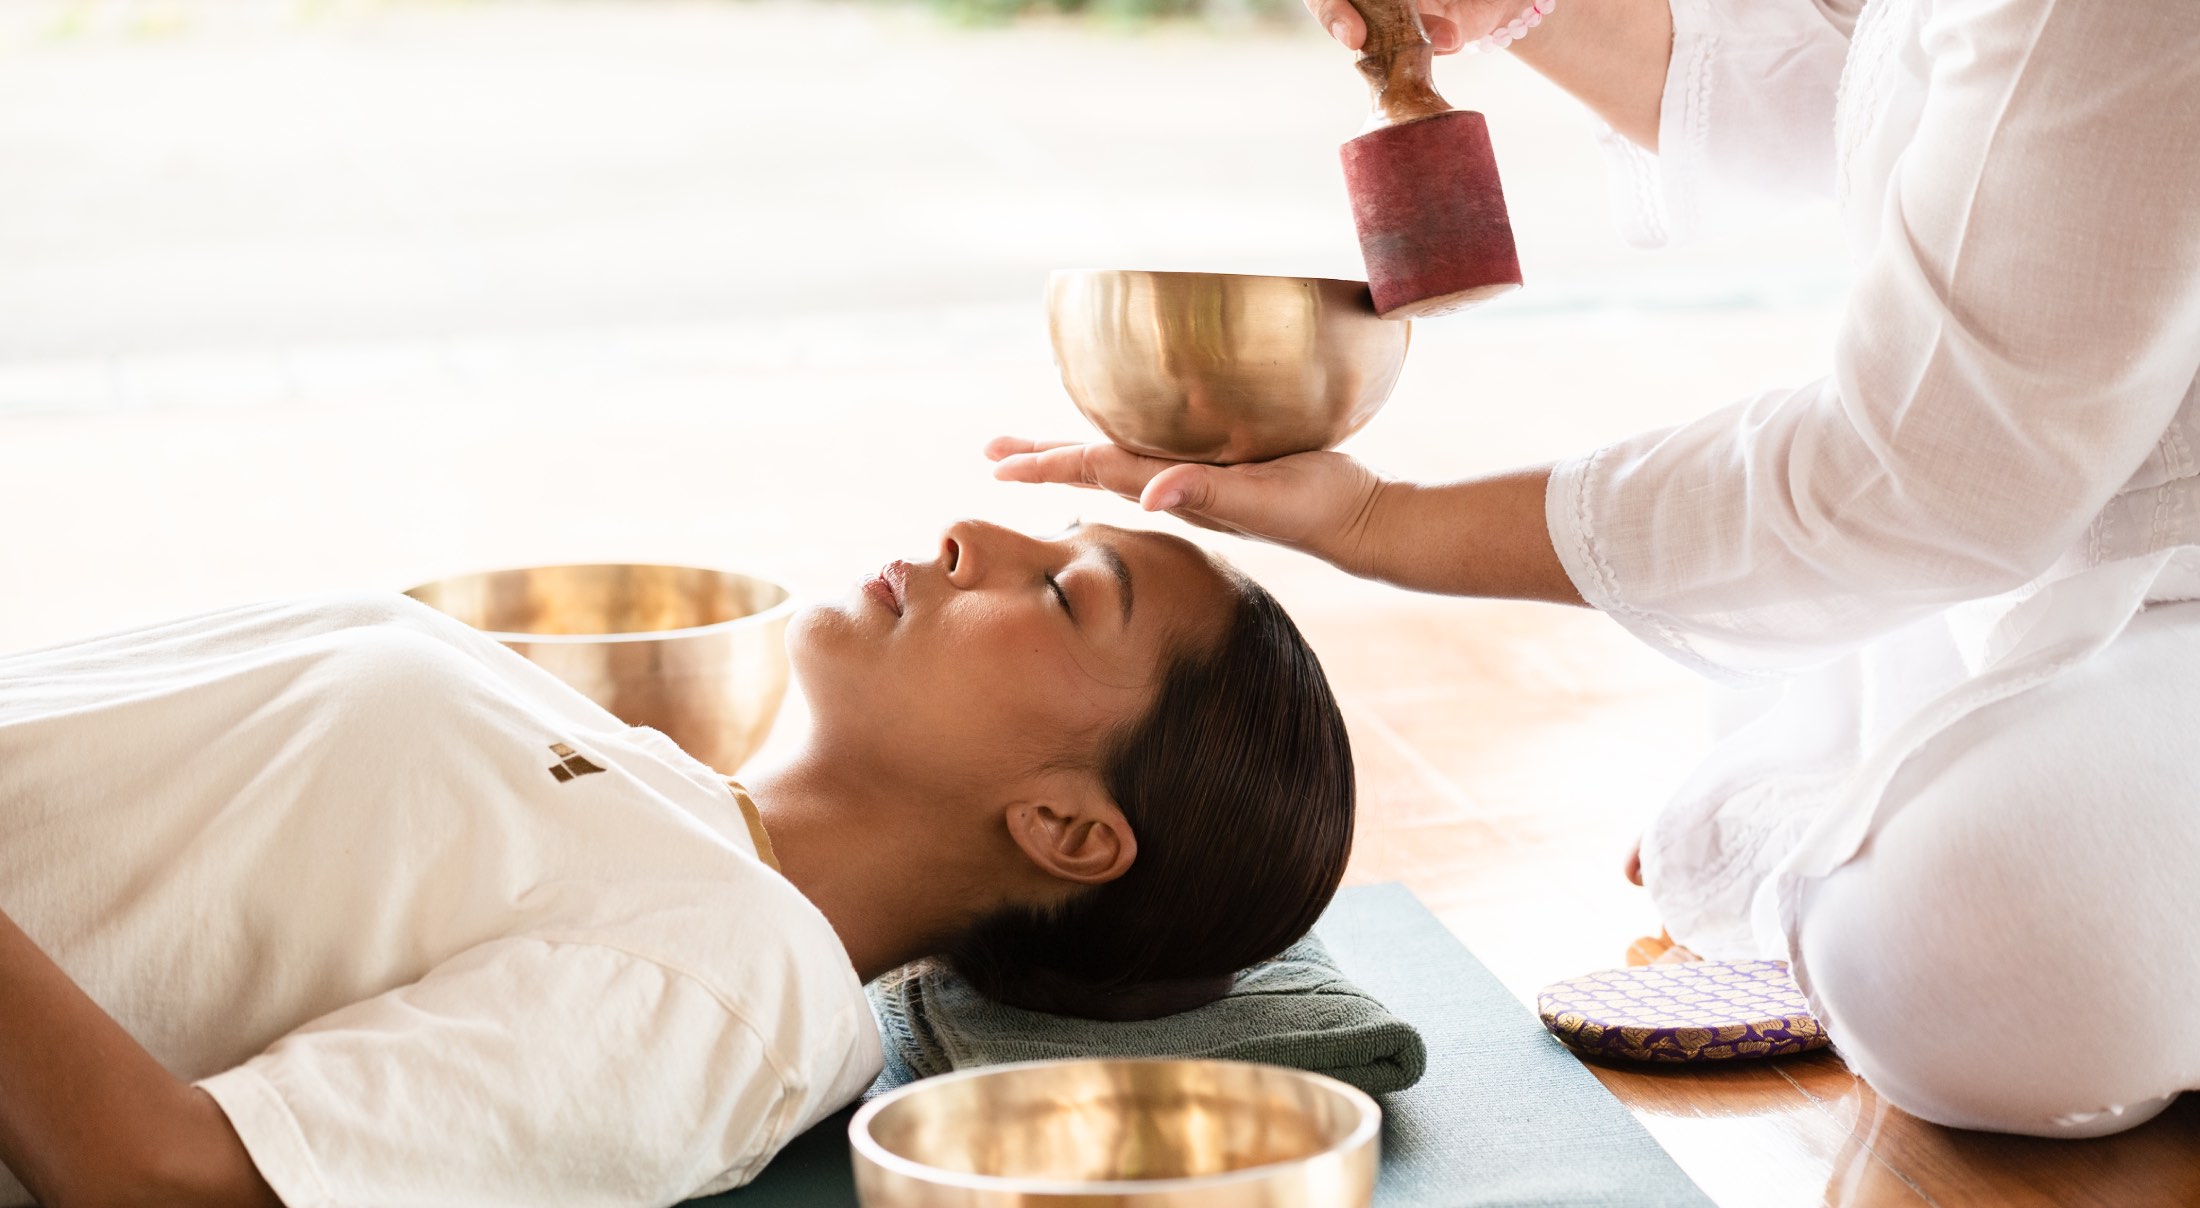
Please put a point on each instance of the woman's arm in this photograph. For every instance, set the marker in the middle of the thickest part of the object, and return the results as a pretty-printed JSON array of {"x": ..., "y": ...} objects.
[
  {"x": 1476, "y": 537},
  {"x": 2014, "y": 349},
  {"x": 1612, "y": 54},
  {"x": 87, "y": 1117}
]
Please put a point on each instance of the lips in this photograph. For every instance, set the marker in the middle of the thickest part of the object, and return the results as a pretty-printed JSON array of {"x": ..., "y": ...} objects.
[{"x": 890, "y": 586}]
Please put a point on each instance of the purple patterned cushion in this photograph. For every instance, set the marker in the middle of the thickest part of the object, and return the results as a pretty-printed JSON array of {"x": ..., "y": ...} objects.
[{"x": 1696, "y": 1011}]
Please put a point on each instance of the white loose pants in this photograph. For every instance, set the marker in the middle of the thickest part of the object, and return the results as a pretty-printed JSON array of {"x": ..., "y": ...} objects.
[{"x": 2016, "y": 945}]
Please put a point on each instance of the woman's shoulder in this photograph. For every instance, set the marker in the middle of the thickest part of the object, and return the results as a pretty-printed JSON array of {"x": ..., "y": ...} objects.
[
  {"x": 350, "y": 647},
  {"x": 254, "y": 625},
  {"x": 285, "y": 647}
]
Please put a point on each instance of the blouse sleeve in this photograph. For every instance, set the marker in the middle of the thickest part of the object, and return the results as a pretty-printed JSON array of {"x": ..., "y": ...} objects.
[
  {"x": 522, "y": 1072},
  {"x": 1745, "y": 127},
  {"x": 2024, "y": 331}
]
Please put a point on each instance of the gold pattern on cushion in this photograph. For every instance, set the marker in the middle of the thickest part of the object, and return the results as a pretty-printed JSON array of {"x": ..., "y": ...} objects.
[{"x": 1682, "y": 1012}]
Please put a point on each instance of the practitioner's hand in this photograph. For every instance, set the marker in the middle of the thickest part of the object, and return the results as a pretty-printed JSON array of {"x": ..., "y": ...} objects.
[
  {"x": 1451, "y": 24},
  {"x": 1477, "y": 537},
  {"x": 1320, "y": 503}
]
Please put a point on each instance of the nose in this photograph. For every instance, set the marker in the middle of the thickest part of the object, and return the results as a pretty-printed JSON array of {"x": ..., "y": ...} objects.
[{"x": 972, "y": 550}]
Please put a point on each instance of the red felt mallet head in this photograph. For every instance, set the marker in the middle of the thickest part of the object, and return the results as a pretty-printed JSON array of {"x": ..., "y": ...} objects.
[{"x": 1425, "y": 194}]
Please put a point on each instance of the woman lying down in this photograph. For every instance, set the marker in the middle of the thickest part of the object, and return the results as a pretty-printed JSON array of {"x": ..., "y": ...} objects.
[{"x": 338, "y": 902}]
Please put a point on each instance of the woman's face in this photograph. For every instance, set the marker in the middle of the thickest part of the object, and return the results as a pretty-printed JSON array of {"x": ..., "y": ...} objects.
[{"x": 1005, "y": 654}]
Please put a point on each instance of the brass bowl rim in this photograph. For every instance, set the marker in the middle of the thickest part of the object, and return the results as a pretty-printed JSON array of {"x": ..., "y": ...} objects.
[
  {"x": 1162, "y": 272},
  {"x": 859, "y": 1134},
  {"x": 784, "y": 607}
]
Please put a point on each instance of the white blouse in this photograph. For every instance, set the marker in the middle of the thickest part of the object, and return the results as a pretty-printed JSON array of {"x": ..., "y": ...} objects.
[{"x": 2003, "y": 465}]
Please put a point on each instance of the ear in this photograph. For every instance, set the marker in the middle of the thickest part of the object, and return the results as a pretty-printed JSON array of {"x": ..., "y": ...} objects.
[{"x": 1087, "y": 843}]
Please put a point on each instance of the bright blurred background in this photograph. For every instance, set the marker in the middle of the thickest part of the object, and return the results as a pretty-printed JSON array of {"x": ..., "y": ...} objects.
[
  {"x": 307, "y": 292},
  {"x": 299, "y": 294}
]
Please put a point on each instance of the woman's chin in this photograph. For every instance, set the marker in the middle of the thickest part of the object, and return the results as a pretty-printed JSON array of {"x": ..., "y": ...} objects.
[
  {"x": 817, "y": 627},
  {"x": 829, "y": 631}
]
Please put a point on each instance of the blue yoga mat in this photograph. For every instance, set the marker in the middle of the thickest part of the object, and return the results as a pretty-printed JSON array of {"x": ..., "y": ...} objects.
[{"x": 1504, "y": 1118}]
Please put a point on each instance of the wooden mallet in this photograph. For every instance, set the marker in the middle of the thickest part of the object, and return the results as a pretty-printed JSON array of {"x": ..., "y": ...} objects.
[{"x": 1423, "y": 181}]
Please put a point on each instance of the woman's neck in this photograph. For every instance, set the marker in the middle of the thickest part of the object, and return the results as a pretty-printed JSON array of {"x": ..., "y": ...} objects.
[{"x": 886, "y": 881}]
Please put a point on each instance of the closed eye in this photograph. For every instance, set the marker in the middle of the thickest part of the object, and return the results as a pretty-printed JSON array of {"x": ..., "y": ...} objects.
[{"x": 1055, "y": 585}]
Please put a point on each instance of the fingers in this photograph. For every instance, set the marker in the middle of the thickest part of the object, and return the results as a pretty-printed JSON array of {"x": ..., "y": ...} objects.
[
  {"x": 1100, "y": 466},
  {"x": 1009, "y": 446},
  {"x": 1341, "y": 20},
  {"x": 1349, "y": 29},
  {"x": 1223, "y": 498},
  {"x": 1066, "y": 464},
  {"x": 1187, "y": 487},
  {"x": 1444, "y": 34},
  {"x": 1282, "y": 500}
]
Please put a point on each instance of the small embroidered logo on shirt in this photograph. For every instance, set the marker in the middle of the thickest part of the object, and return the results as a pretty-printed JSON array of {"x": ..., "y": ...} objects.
[{"x": 569, "y": 764}]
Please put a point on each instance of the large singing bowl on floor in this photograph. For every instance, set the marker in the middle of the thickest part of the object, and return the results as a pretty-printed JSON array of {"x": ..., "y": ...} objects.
[
  {"x": 1118, "y": 1134},
  {"x": 1222, "y": 368},
  {"x": 700, "y": 655}
]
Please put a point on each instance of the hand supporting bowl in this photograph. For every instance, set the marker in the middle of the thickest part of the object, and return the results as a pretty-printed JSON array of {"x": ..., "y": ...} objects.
[
  {"x": 1118, "y": 1134},
  {"x": 1218, "y": 367},
  {"x": 699, "y": 655}
]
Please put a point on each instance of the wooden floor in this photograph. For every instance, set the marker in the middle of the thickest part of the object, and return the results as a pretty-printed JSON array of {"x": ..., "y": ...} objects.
[{"x": 1507, "y": 754}]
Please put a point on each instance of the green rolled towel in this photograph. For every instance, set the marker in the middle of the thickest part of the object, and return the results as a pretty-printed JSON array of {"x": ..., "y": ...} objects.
[{"x": 1297, "y": 1010}]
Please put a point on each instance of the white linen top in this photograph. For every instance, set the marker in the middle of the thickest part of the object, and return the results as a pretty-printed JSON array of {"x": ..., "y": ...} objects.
[
  {"x": 2003, "y": 464},
  {"x": 318, "y": 855}
]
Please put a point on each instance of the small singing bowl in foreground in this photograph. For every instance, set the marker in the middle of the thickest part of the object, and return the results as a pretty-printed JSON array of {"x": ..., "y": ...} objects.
[
  {"x": 700, "y": 655},
  {"x": 1118, "y": 1134},
  {"x": 1222, "y": 368}
]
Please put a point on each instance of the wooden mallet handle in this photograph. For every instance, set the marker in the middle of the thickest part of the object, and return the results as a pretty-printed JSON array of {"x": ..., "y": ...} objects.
[{"x": 1397, "y": 60}]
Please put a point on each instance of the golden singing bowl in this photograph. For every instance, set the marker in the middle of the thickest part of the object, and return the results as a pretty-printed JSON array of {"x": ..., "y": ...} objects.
[
  {"x": 1222, "y": 368},
  {"x": 700, "y": 655},
  {"x": 1118, "y": 1134}
]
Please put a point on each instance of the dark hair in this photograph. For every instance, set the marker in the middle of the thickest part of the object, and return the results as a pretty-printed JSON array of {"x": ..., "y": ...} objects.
[{"x": 1238, "y": 785}]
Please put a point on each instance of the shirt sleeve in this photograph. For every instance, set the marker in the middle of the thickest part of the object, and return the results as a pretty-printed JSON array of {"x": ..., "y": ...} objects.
[
  {"x": 1745, "y": 126},
  {"x": 522, "y": 1073},
  {"x": 2023, "y": 333}
]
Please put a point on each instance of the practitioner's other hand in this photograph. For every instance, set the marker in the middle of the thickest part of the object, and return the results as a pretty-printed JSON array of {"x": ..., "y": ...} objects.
[
  {"x": 1451, "y": 24},
  {"x": 1319, "y": 503}
]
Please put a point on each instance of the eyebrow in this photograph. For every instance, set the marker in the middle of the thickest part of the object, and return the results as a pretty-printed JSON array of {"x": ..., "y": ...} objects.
[{"x": 1122, "y": 572}]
